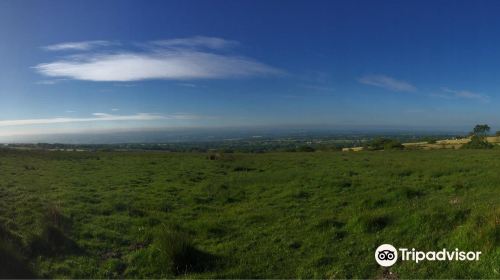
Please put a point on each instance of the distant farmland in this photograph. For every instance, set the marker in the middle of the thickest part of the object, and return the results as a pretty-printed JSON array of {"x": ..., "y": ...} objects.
[
  {"x": 448, "y": 143},
  {"x": 433, "y": 145},
  {"x": 272, "y": 215}
]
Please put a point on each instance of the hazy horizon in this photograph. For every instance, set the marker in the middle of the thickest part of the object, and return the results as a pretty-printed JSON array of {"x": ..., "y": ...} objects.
[{"x": 207, "y": 134}]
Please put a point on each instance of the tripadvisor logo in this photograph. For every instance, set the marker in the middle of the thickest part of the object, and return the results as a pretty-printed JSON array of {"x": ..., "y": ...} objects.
[{"x": 387, "y": 255}]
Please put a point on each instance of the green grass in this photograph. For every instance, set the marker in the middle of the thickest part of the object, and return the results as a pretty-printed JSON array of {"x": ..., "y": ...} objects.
[{"x": 275, "y": 215}]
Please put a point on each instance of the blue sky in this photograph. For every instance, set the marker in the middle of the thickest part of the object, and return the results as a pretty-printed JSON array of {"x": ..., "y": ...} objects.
[{"x": 87, "y": 66}]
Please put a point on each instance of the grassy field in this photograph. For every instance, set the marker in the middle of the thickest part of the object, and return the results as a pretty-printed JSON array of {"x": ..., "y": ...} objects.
[{"x": 275, "y": 215}]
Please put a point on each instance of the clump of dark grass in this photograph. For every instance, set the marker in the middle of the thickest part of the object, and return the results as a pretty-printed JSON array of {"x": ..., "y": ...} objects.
[
  {"x": 165, "y": 206},
  {"x": 374, "y": 202},
  {"x": 460, "y": 185},
  {"x": 220, "y": 156},
  {"x": 53, "y": 239},
  {"x": 445, "y": 218},
  {"x": 343, "y": 183},
  {"x": 329, "y": 223},
  {"x": 113, "y": 268},
  {"x": 175, "y": 251},
  {"x": 323, "y": 261},
  {"x": 380, "y": 202},
  {"x": 54, "y": 216},
  {"x": 295, "y": 245},
  {"x": 50, "y": 241},
  {"x": 243, "y": 169},
  {"x": 403, "y": 172},
  {"x": 352, "y": 173},
  {"x": 411, "y": 193},
  {"x": 372, "y": 223},
  {"x": 216, "y": 230},
  {"x": 301, "y": 194}
]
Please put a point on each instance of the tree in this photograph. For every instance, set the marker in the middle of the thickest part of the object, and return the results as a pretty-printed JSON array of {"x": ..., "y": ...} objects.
[
  {"x": 497, "y": 133},
  {"x": 481, "y": 129},
  {"x": 478, "y": 138}
]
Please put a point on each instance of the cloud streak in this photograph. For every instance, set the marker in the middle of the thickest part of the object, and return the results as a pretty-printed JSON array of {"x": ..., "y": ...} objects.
[
  {"x": 461, "y": 94},
  {"x": 78, "y": 46},
  {"x": 176, "y": 59},
  {"x": 197, "y": 42},
  {"x": 387, "y": 82},
  {"x": 98, "y": 117}
]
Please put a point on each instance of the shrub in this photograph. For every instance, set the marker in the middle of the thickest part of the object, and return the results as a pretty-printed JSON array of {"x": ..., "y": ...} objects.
[
  {"x": 307, "y": 149},
  {"x": 385, "y": 144}
]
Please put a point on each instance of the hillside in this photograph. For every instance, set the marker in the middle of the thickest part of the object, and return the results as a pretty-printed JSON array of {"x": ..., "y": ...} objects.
[{"x": 273, "y": 215}]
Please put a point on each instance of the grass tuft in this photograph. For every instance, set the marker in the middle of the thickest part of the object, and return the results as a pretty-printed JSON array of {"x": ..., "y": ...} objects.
[
  {"x": 53, "y": 239},
  {"x": 374, "y": 223},
  {"x": 175, "y": 250}
]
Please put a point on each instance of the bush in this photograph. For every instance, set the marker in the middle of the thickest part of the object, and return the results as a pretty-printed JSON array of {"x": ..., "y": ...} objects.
[
  {"x": 385, "y": 144},
  {"x": 307, "y": 149}
]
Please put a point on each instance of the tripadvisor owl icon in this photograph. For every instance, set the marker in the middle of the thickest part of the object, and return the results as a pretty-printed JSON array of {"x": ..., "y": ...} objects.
[{"x": 386, "y": 255}]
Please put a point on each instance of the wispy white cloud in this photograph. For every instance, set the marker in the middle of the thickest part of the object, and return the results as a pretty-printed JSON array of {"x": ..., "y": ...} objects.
[
  {"x": 187, "y": 85},
  {"x": 197, "y": 42},
  {"x": 115, "y": 109},
  {"x": 387, "y": 82},
  {"x": 46, "y": 82},
  {"x": 124, "y": 85},
  {"x": 78, "y": 46},
  {"x": 49, "y": 82},
  {"x": 176, "y": 59},
  {"x": 97, "y": 117},
  {"x": 461, "y": 94},
  {"x": 166, "y": 65}
]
